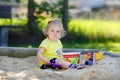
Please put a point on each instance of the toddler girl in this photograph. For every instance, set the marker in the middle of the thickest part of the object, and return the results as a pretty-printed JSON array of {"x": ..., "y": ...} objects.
[{"x": 50, "y": 50}]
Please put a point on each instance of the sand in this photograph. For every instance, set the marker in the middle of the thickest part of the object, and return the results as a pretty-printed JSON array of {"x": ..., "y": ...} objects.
[{"x": 28, "y": 69}]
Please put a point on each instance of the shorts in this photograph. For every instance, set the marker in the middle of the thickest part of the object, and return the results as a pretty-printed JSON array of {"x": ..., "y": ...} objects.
[{"x": 53, "y": 60}]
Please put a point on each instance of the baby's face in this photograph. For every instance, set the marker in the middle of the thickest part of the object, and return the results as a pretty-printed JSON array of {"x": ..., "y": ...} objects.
[{"x": 54, "y": 33}]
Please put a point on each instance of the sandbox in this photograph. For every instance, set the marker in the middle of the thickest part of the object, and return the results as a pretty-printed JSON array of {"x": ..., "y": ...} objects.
[{"x": 21, "y": 64}]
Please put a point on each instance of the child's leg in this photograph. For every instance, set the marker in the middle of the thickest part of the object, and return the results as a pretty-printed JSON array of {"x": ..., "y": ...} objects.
[{"x": 64, "y": 63}]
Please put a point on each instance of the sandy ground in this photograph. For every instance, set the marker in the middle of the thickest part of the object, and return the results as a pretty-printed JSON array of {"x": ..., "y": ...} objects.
[{"x": 28, "y": 69}]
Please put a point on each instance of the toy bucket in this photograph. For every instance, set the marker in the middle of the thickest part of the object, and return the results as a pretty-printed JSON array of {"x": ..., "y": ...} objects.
[{"x": 73, "y": 57}]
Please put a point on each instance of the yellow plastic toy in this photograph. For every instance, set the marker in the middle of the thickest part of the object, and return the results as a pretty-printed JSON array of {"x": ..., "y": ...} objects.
[{"x": 99, "y": 55}]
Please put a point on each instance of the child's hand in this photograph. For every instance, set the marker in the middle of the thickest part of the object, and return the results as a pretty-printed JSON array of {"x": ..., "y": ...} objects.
[{"x": 46, "y": 62}]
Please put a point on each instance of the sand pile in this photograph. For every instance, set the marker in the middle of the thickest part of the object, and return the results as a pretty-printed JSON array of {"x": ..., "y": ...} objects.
[{"x": 28, "y": 69}]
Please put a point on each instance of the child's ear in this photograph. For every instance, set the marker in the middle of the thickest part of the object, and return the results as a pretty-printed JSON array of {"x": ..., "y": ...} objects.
[{"x": 46, "y": 32}]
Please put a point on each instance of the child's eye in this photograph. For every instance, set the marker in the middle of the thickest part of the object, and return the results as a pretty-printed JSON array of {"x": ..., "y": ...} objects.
[
  {"x": 52, "y": 30},
  {"x": 58, "y": 31}
]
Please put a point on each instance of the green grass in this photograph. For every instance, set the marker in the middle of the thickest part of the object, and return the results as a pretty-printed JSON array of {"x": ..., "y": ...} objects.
[
  {"x": 15, "y": 21},
  {"x": 109, "y": 46},
  {"x": 95, "y": 29}
]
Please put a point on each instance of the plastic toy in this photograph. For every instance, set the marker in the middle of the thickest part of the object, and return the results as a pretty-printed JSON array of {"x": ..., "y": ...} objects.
[
  {"x": 91, "y": 60},
  {"x": 98, "y": 55},
  {"x": 75, "y": 60},
  {"x": 51, "y": 65},
  {"x": 72, "y": 57},
  {"x": 87, "y": 56},
  {"x": 55, "y": 65}
]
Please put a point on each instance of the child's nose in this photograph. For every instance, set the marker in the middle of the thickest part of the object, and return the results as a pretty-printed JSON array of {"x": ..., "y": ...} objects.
[{"x": 55, "y": 32}]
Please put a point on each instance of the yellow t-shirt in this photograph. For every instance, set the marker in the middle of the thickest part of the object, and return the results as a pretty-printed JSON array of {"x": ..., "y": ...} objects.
[{"x": 52, "y": 49}]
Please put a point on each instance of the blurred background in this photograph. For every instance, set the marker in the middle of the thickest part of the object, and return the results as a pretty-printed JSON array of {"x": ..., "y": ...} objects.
[{"x": 90, "y": 24}]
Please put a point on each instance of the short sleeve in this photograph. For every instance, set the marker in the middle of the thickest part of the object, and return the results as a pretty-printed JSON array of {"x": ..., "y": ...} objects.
[{"x": 44, "y": 44}]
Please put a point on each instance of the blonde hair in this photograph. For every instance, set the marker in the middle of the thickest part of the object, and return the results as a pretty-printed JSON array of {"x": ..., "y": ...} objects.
[{"x": 52, "y": 23}]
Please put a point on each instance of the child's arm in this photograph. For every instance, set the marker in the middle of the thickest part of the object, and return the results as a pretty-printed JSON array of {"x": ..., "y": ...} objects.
[{"x": 40, "y": 57}]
